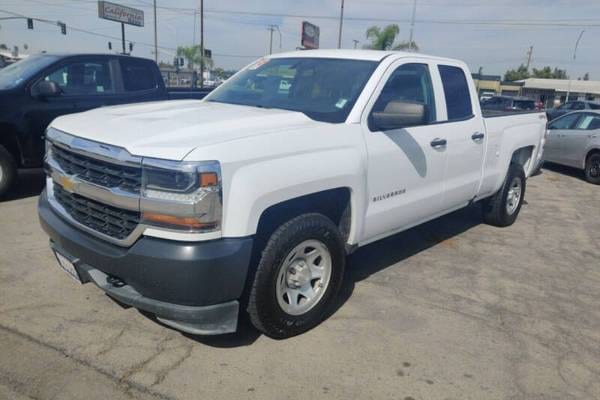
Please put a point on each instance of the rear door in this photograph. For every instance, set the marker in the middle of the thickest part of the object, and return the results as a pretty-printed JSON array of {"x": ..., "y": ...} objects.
[
  {"x": 465, "y": 135},
  {"x": 140, "y": 81},
  {"x": 557, "y": 129}
]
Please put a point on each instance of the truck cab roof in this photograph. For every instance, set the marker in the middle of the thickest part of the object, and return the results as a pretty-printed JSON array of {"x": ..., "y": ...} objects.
[{"x": 354, "y": 54}]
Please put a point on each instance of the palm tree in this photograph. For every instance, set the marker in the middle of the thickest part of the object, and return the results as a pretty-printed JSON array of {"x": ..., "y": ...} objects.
[
  {"x": 383, "y": 39},
  {"x": 193, "y": 56}
]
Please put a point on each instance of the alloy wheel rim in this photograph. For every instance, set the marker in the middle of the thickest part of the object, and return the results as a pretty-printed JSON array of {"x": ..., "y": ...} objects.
[
  {"x": 513, "y": 197},
  {"x": 304, "y": 277}
]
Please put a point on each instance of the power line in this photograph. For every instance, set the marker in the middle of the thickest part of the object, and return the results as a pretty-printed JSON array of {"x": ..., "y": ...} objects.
[{"x": 107, "y": 36}]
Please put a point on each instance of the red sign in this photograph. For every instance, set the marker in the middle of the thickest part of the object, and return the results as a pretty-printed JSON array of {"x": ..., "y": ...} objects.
[{"x": 310, "y": 35}]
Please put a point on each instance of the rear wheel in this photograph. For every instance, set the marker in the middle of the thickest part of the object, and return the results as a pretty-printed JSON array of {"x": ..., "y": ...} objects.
[
  {"x": 297, "y": 279},
  {"x": 8, "y": 171},
  {"x": 592, "y": 169},
  {"x": 503, "y": 208}
]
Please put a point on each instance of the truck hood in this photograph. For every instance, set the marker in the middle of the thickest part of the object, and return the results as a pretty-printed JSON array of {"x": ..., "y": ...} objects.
[{"x": 172, "y": 129}]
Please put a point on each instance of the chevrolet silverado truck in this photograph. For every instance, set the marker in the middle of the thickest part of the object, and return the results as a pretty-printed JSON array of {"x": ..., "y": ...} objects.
[
  {"x": 42, "y": 87},
  {"x": 249, "y": 200}
]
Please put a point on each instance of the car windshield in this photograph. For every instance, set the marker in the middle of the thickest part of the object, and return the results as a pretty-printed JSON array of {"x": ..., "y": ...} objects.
[
  {"x": 13, "y": 75},
  {"x": 324, "y": 89}
]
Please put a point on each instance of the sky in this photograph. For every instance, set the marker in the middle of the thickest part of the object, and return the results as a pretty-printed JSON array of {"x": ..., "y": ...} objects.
[{"x": 491, "y": 34}]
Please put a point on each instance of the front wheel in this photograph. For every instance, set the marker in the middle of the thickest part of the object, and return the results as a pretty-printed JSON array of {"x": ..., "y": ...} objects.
[
  {"x": 592, "y": 169},
  {"x": 298, "y": 277},
  {"x": 503, "y": 208}
]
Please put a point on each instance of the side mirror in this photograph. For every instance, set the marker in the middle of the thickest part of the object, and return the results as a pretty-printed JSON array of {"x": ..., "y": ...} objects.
[
  {"x": 46, "y": 89},
  {"x": 399, "y": 114}
]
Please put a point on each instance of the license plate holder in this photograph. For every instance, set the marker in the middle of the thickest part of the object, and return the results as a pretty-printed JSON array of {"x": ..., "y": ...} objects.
[{"x": 67, "y": 266}]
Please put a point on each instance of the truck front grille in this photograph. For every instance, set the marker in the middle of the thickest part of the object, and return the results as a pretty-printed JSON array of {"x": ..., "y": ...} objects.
[
  {"x": 97, "y": 171},
  {"x": 112, "y": 221}
]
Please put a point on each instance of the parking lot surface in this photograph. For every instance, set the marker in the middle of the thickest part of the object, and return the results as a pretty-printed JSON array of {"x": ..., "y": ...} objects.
[{"x": 453, "y": 309}]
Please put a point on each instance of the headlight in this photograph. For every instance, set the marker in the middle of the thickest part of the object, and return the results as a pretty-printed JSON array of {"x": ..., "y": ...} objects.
[{"x": 182, "y": 195}]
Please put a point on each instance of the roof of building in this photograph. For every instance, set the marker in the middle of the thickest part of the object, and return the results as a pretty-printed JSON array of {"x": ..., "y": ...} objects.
[
  {"x": 482, "y": 77},
  {"x": 562, "y": 85}
]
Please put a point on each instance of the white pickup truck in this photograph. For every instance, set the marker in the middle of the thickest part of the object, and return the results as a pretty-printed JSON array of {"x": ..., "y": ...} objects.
[{"x": 251, "y": 199}]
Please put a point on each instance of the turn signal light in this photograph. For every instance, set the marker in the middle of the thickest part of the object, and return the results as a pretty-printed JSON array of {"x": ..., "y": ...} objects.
[
  {"x": 170, "y": 220},
  {"x": 208, "y": 179}
]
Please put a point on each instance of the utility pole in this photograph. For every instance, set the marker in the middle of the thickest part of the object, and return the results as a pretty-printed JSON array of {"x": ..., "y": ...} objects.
[
  {"x": 529, "y": 54},
  {"x": 123, "y": 36},
  {"x": 412, "y": 25},
  {"x": 201, "y": 43},
  {"x": 574, "y": 56},
  {"x": 272, "y": 28},
  {"x": 355, "y": 43},
  {"x": 155, "y": 36},
  {"x": 341, "y": 25}
]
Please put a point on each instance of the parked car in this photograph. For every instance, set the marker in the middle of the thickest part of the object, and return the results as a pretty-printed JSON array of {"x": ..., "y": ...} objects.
[
  {"x": 570, "y": 107},
  {"x": 508, "y": 103},
  {"x": 574, "y": 140},
  {"x": 42, "y": 87},
  {"x": 250, "y": 200}
]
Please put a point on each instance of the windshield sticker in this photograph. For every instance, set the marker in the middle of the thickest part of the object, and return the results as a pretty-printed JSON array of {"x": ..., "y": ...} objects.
[
  {"x": 258, "y": 64},
  {"x": 341, "y": 103}
]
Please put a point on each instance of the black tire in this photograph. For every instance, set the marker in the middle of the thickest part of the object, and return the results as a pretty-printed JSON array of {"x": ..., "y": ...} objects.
[
  {"x": 264, "y": 310},
  {"x": 496, "y": 209},
  {"x": 8, "y": 171},
  {"x": 592, "y": 169}
]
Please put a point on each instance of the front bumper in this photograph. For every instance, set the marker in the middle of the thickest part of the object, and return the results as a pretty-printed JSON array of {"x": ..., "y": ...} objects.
[{"x": 191, "y": 286}]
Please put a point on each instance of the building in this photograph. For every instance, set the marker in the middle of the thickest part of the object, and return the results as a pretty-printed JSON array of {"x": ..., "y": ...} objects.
[
  {"x": 552, "y": 92},
  {"x": 491, "y": 85}
]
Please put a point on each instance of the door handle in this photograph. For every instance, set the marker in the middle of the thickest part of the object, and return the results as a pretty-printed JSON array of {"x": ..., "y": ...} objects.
[
  {"x": 477, "y": 136},
  {"x": 438, "y": 143}
]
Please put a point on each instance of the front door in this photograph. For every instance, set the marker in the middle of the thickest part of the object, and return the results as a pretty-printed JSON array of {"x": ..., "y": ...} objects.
[
  {"x": 557, "y": 129},
  {"x": 405, "y": 165},
  {"x": 575, "y": 142}
]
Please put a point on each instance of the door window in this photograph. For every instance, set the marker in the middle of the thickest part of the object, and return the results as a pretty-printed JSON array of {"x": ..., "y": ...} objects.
[
  {"x": 138, "y": 75},
  {"x": 589, "y": 122},
  {"x": 578, "y": 106},
  {"x": 409, "y": 83},
  {"x": 83, "y": 78},
  {"x": 565, "y": 122},
  {"x": 456, "y": 92}
]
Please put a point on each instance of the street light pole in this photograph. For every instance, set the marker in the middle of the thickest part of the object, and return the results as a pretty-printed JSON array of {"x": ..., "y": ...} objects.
[
  {"x": 201, "y": 43},
  {"x": 574, "y": 56},
  {"x": 412, "y": 26},
  {"x": 341, "y": 25},
  {"x": 155, "y": 36}
]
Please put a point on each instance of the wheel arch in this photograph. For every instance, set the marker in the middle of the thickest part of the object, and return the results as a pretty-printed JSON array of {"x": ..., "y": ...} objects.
[
  {"x": 334, "y": 203},
  {"x": 9, "y": 139}
]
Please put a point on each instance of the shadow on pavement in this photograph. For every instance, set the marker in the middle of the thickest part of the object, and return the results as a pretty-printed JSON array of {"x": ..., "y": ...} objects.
[
  {"x": 367, "y": 261},
  {"x": 564, "y": 170},
  {"x": 30, "y": 182}
]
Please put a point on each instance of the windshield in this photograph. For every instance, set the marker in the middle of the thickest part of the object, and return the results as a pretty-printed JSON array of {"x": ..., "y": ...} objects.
[
  {"x": 15, "y": 74},
  {"x": 324, "y": 89}
]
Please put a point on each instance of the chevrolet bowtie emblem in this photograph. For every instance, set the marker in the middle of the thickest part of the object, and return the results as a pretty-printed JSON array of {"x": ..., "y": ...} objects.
[{"x": 67, "y": 183}]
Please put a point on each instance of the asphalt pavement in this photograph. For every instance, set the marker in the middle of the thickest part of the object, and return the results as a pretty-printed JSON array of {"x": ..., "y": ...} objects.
[{"x": 453, "y": 309}]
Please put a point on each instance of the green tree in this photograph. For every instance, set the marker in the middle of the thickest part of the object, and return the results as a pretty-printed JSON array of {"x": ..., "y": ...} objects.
[
  {"x": 549, "y": 73},
  {"x": 384, "y": 39},
  {"x": 193, "y": 56},
  {"x": 3, "y": 47},
  {"x": 516, "y": 74},
  {"x": 586, "y": 76}
]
